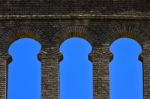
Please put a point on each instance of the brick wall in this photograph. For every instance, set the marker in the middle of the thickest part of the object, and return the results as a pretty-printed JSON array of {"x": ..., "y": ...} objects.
[{"x": 50, "y": 23}]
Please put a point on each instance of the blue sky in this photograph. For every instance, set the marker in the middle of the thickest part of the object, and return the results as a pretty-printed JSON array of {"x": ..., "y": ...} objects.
[{"x": 24, "y": 72}]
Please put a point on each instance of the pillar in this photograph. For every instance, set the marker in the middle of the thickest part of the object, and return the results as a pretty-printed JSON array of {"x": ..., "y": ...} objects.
[
  {"x": 101, "y": 57},
  {"x": 146, "y": 70},
  {"x": 50, "y": 73},
  {"x": 4, "y": 61}
]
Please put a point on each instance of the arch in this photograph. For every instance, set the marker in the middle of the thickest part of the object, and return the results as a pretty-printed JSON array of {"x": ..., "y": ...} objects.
[
  {"x": 70, "y": 35},
  {"x": 73, "y": 35},
  {"x": 74, "y": 31},
  {"x": 74, "y": 64},
  {"x": 120, "y": 72},
  {"x": 125, "y": 35},
  {"x": 17, "y": 74},
  {"x": 18, "y": 36}
]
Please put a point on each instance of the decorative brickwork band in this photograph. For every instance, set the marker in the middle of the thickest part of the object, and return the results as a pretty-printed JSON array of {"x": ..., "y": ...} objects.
[
  {"x": 50, "y": 69},
  {"x": 101, "y": 57}
]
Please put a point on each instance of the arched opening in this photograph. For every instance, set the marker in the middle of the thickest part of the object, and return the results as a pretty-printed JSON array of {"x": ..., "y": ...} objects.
[
  {"x": 76, "y": 70},
  {"x": 24, "y": 72},
  {"x": 126, "y": 74}
]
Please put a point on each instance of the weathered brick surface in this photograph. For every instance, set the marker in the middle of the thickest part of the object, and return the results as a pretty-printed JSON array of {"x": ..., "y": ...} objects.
[
  {"x": 100, "y": 58},
  {"x": 50, "y": 22},
  {"x": 146, "y": 69},
  {"x": 50, "y": 73},
  {"x": 3, "y": 76},
  {"x": 45, "y": 7}
]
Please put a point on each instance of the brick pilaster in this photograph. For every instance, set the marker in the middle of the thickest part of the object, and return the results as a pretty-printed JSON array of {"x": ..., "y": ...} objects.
[
  {"x": 146, "y": 70},
  {"x": 4, "y": 60},
  {"x": 101, "y": 58},
  {"x": 50, "y": 69}
]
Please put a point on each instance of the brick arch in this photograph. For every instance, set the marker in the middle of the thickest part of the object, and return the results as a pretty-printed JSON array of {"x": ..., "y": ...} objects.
[
  {"x": 131, "y": 29},
  {"x": 74, "y": 31},
  {"x": 125, "y": 35},
  {"x": 70, "y": 35},
  {"x": 130, "y": 36},
  {"x": 17, "y": 36}
]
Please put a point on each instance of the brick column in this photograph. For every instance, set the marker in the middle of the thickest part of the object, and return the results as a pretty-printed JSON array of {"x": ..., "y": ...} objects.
[
  {"x": 4, "y": 60},
  {"x": 50, "y": 73},
  {"x": 146, "y": 70},
  {"x": 101, "y": 57}
]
